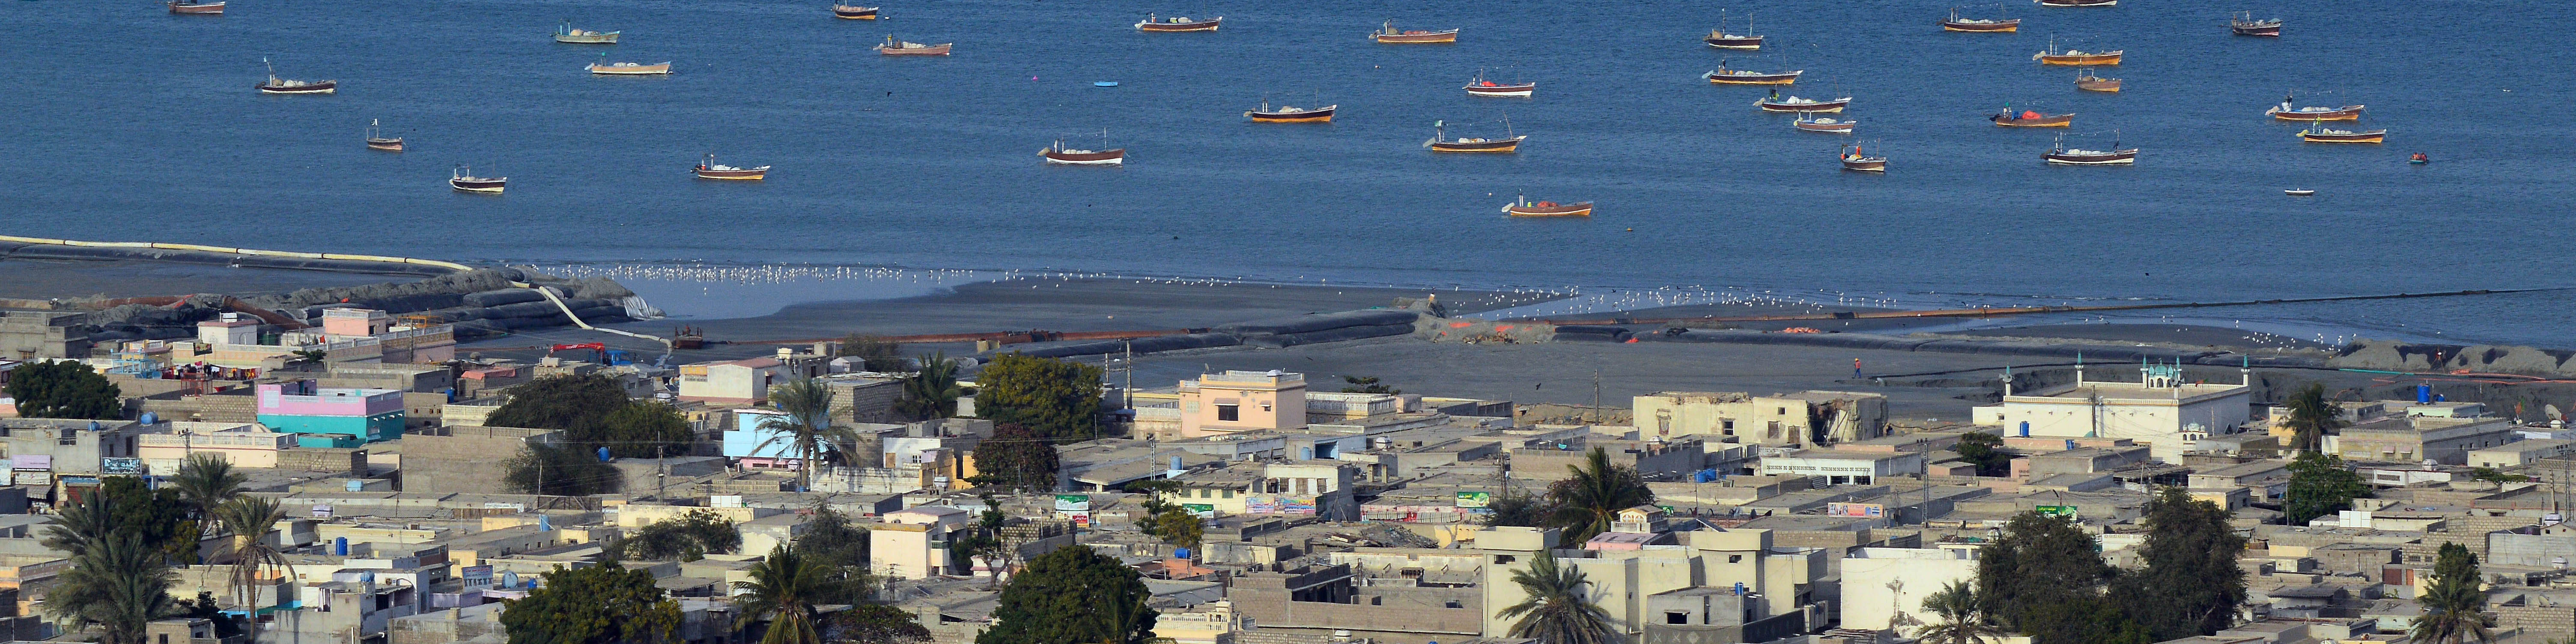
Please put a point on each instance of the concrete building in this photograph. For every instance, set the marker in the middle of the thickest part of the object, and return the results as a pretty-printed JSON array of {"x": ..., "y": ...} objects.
[
  {"x": 1839, "y": 467},
  {"x": 34, "y": 335},
  {"x": 908, "y": 544},
  {"x": 466, "y": 458},
  {"x": 41, "y": 448},
  {"x": 1884, "y": 588},
  {"x": 2541, "y": 546},
  {"x": 2520, "y": 453},
  {"x": 1237, "y": 401},
  {"x": 1803, "y": 418},
  {"x": 732, "y": 382},
  {"x": 2161, "y": 410},
  {"x": 2414, "y": 439},
  {"x": 331, "y": 417},
  {"x": 243, "y": 445},
  {"x": 1309, "y": 488}
]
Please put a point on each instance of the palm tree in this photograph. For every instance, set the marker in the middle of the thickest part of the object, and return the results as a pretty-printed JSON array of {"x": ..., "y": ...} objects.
[
  {"x": 250, "y": 519},
  {"x": 785, "y": 587},
  {"x": 931, "y": 392},
  {"x": 1557, "y": 610},
  {"x": 807, "y": 427},
  {"x": 81, "y": 525},
  {"x": 206, "y": 481},
  {"x": 1962, "y": 621},
  {"x": 118, "y": 584},
  {"x": 2455, "y": 608},
  {"x": 1588, "y": 501},
  {"x": 2312, "y": 416}
]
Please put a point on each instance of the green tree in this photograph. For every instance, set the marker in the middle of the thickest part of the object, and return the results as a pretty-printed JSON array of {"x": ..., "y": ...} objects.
[
  {"x": 1367, "y": 385},
  {"x": 250, "y": 519},
  {"x": 1558, "y": 610},
  {"x": 1177, "y": 526},
  {"x": 877, "y": 624},
  {"x": 805, "y": 427},
  {"x": 204, "y": 607},
  {"x": 1512, "y": 508},
  {"x": 834, "y": 541},
  {"x": 1589, "y": 500},
  {"x": 1073, "y": 595},
  {"x": 2493, "y": 474},
  {"x": 560, "y": 471},
  {"x": 875, "y": 352},
  {"x": 1055, "y": 398},
  {"x": 931, "y": 392},
  {"x": 689, "y": 537},
  {"x": 1016, "y": 459},
  {"x": 1982, "y": 450},
  {"x": 159, "y": 518},
  {"x": 2312, "y": 416},
  {"x": 2190, "y": 584},
  {"x": 119, "y": 584},
  {"x": 785, "y": 588},
  {"x": 1962, "y": 621},
  {"x": 984, "y": 542},
  {"x": 2089, "y": 619},
  {"x": 642, "y": 429},
  {"x": 575, "y": 404},
  {"x": 78, "y": 526},
  {"x": 2320, "y": 485},
  {"x": 206, "y": 481},
  {"x": 2039, "y": 561},
  {"x": 63, "y": 389},
  {"x": 2455, "y": 607},
  {"x": 601, "y": 604}
]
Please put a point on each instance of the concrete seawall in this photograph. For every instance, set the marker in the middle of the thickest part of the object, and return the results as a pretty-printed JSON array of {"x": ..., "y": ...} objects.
[{"x": 12, "y": 247}]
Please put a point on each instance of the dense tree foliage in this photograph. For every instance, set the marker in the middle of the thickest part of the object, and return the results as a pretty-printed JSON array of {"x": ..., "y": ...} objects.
[
  {"x": 785, "y": 591},
  {"x": 1589, "y": 500},
  {"x": 875, "y": 352},
  {"x": 2319, "y": 485},
  {"x": 121, "y": 506},
  {"x": 2454, "y": 604},
  {"x": 1963, "y": 621},
  {"x": 2040, "y": 572},
  {"x": 601, "y": 604},
  {"x": 2189, "y": 584},
  {"x": 931, "y": 392},
  {"x": 63, "y": 389},
  {"x": 689, "y": 537},
  {"x": 641, "y": 429},
  {"x": 1512, "y": 508},
  {"x": 804, "y": 428},
  {"x": 876, "y": 624},
  {"x": 206, "y": 481},
  {"x": 1558, "y": 608},
  {"x": 1981, "y": 449},
  {"x": 1367, "y": 385},
  {"x": 594, "y": 412},
  {"x": 1016, "y": 459},
  {"x": 1073, "y": 594},
  {"x": 1055, "y": 398},
  {"x": 119, "y": 584},
  {"x": 2312, "y": 416},
  {"x": 560, "y": 471},
  {"x": 832, "y": 540}
]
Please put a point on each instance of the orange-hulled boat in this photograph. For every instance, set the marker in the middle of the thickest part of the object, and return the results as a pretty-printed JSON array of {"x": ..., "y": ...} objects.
[
  {"x": 847, "y": 12},
  {"x": 2055, "y": 56},
  {"x": 1287, "y": 114},
  {"x": 2286, "y": 112},
  {"x": 1440, "y": 141},
  {"x": 194, "y": 8},
  {"x": 2086, "y": 81},
  {"x": 2319, "y": 133},
  {"x": 1523, "y": 207},
  {"x": 709, "y": 169},
  {"x": 1388, "y": 35},
  {"x": 1178, "y": 24},
  {"x": 893, "y": 47},
  {"x": 2031, "y": 118}
]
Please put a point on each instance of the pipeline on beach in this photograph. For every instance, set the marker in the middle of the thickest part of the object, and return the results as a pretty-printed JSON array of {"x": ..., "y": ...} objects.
[{"x": 2024, "y": 310}]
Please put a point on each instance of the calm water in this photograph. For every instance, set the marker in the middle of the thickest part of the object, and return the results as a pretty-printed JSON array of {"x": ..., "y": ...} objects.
[{"x": 146, "y": 127}]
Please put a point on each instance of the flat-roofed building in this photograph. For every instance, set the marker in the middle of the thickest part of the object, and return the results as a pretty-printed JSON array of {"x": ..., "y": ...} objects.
[
  {"x": 2161, "y": 410},
  {"x": 1803, "y": 418},
  {"x": 1236, "y": 401},
  {"x": 2412, "y": 439}
]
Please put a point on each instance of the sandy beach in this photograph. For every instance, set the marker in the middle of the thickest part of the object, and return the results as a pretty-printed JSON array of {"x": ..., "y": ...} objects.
[{"x": 48, "y": 279}]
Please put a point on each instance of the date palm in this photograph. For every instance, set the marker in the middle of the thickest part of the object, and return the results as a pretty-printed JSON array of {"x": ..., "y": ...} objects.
[
  {"x": 81, "y": 525},
  {"x": 931, "y": 392},
  {"x": 118, "y": 584},
  {"x": 1962, "y": 620},
  {"x": 2455, "y": 608},
  {"x": 806, "y": 427},
  {"x": 1589, "y": 500},
  {"x": 206, "y": 481},
  {"x": 1557, "y": 611},
  {"x": 2312, "y": 416},
  {"x": 785, "y": 588},
  {"x": 250, "y": 519}
]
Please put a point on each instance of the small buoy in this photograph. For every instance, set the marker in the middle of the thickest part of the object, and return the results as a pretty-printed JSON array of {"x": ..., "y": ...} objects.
[{"x": 1632, "y": 230}]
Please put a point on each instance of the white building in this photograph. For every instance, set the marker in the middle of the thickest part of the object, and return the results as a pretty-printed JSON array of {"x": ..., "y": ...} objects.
[
  {"x": 2160, "y": 410},
  {"x": 1885, "y": 587}
]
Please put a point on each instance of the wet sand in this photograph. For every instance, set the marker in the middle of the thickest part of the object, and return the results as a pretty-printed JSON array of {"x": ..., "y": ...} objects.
[{"x": 37, "y": 279}]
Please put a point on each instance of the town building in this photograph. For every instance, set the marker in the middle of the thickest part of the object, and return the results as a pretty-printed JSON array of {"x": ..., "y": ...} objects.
[
  {"x": 1803, "y": 418},
  {"x": 2436, "y": 440},
  {"x": 2161, "y": 410},
  {"x": 331, "y": 417},
  {"x": 732, "y": 382},
  {"x": 1237, "y": 401}
]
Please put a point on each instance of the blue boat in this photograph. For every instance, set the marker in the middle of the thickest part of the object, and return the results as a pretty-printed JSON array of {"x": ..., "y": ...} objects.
[{"x": 1104, "y": 83}]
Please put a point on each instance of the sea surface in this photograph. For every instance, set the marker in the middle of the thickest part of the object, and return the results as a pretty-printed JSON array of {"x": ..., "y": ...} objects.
[{"x": 131, "y": 124}]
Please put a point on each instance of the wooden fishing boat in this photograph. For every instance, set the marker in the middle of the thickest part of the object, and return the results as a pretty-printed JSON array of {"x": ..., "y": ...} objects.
[
  {"x": 1774, "y": 103},
  {"x": 2419, "y": 158},
  {"x": 1720, "y": 39},
  {"x": 194, "y": 8},
  {"x": 2317, "y": 133},
  {"x": 1177, "y": 24},
  {"x": 2078, "y": 3},
  {"x": 1729, "y": 76},
  {"x": 709, "y": 169},
  {"x": 2086, "y": 81},
  {"x": 1440, "y": 141},
  {"x": 1855, "y": 160},
  {"x": 629, "y": 69},
  {"x": 894, "y": 47},
  {"x": 2055, "y": 56},
  {"x": 1980, "y": 25},
  {"x": 2059, "y": 154},
  {"x": 1057, "y": 154},
  {"x": 847, "y": 12},
  {"x": 2299, "y": 192},
  {"x": 464, "y": 181},
  {"x": 276, "y": 85},
  {"x": 1813, "y": 123},
  {"x": 1478, "y": 86},
  {"x": 567, "y": 34},
  {"x": 1387, "y": 35},
  {"x": 1523, "y": 207},
  {"x": 2030, "y": 118},
  {"x": 2286, "y": 112},
  {"x": 377, "y": 141},
  {"x": 1287, "y": 114},
  {"x": 2244, "y": 24}
]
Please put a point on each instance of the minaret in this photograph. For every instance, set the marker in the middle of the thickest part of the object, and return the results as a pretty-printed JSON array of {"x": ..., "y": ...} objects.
[
  {"x": 2079, "y": 370},
  {"x": 2245, "y": 371},
  {"x": 2007, "y": 381}
]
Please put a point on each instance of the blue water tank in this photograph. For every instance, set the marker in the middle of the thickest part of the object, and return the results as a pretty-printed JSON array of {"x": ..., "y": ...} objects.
[
  {"x": 603, "y": 454},
  {"x": 150, "y": 418},
  {"x": 340, "y": 546},
  {"x": 1705, "y": 475},
  {"x": 1739, "y": 589},
  {"x": 509, "y": 579},
  {"x": 2423, "y": 393},
  {"x": 545, "y": 523},
  {"x": 1181, "y": 553},
  {"x": 2025, "y": 429}
]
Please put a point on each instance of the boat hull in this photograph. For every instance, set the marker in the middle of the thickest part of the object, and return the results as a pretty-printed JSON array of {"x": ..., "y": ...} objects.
[
  {"x": 208, "y": 9},
  {"x": 1733, "y": 42},
  {"x": 745, "y": 174},
  {"x": 2045, "y": 120},
  {"x": 478, "y": 185},
  {"x": 2111, "y": 59},
  {"x": 2098, "y": 84},
  {"x": 2346, "y": 113},
  {"x": 940, "y": 49},
  {"x": 1576, "y": 210},
  {"x": 1865, "y": 164},
  {"x": 1833, "y": 106},
  {"x": 1319, "y": 115},
  {"x": 1179, "y": 27},
  {"x": 629, "y": 70},
  {"x": 609, "y": 38},
  {"x": 1996, "y": 27},
  {"x": 2115, "y": 157},
  {"x": 1782, "y": 78},
  {"x": 2078, "y": 3},
  {"x": 388, "y": 145},
  {"x": 1110, "y": 157},
  {"x": 845, "y": 12},
  {"x": 1435, "y": 37},
  {"x": 2373, "y": 136},
  {"x": 1838, "y": 127},
  {"x": 1493, "y": 146},
  {"x": 1503, "y": 91},
  {"x": 2268, "y": 31},
  {"x": 324, "y": 87}
]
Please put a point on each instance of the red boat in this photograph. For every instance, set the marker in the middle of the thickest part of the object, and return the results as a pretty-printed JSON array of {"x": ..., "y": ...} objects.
[
  {"x": 1523, "y": 207},
  {"x": 193, "y": 7},
  {"x": 1478, "y": 86},
  {"x": 2030, "y": 118}
]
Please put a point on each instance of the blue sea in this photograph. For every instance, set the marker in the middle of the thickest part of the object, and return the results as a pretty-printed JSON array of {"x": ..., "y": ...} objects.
[{"x": 132, "y": 124}]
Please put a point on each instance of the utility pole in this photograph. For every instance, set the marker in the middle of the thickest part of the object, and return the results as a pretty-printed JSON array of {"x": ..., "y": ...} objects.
[{"x": 1596, "y": 396}]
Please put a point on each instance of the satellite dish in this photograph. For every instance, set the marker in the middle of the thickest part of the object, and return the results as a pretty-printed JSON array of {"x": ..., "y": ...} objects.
[{"x": 2552, "y": 411}]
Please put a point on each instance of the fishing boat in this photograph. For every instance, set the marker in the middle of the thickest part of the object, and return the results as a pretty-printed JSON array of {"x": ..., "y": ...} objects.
[
  {"x": 709, "y": 169},
  {"x": 629, "y": 69},
  {"x": 1828, "y": 125},
  {"x": 2059, "y": 154},
  {"x": 377, "y": 141},
  {"x": 463, "y": 180},
  {"x": 1440, "y": 141},
  {"x": 1478, "y": 86},
  {"x": 2419, "y": 159},
  {"x": 2286, "y": 112},
  {"x": 1523, "y": 207},
  {"x": 2031, "y": 118},
  {"x": 1057, "y": 154},
  {"x": 1730, "y": 76},
  {"x": 2055, "y": 56},
  {"x": 1774, "y": 103},
  {"x": 1288, "y": 114},
  {"x": 2078, "y": 3},
  {"x": 847, "y": 12},
  {"x": 277, "y": 85},
  {"x": 195, "y": 8},
  {"x": 2086, "y": 81},
  {"x": 1720, "y": 39},
  {"x": 2299, "y": 192},
  {"x": 893, "y": 47},
  {"x": 1857, "y": 161},
  {"x": 1980, "y": 25},
  {"x": 1177, "y": 24},
  {"x": 568, "y": 34},
  {"x": 1387, "y": 34},
  {"x": 2244, "y": 24},
  {"x": 2316, "y": 132}
]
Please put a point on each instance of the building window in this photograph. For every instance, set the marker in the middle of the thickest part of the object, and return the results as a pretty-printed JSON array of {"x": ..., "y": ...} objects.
[
  {"x": 1452, "y": 604},
  {"x": 1676, "y": 617},
  {"x": 1504, "y": 559},
  {"x": 1228, "y": 412},
  {"x": 1727, "y": 424},
  {"x": 1735, "y": 558},
  {"x": 1229, "y": 493}
]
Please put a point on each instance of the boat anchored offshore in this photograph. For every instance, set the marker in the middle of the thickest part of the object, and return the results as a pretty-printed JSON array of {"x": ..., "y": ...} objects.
[
  {"x": 1288, "y": 114},
  {"x": 1774, "y": 103},
  {"x": 2086, "y": 81},
  {"x": 1057, "y": 154},
  {"x": 2286, "y": 112},
  {"x": 2055, "y": 56},
  {"x": 567, "y": 34},
  {"x": 709, "y": 169},
  {"x": 276, "y": 85},
  {"x": 2298, "y": 192},
  {"x": 847, "y": 12},
  {"x": 1812, "y": 123},
  {"x": 2244, "y": 24},
  {"x": 2317, "y": 132},
  {"x": 1440, "y": 141},
  {"x": 2419, "y": 158},
  {"x": 194, "y": 8},
  {"x": 1177, "y": 24},
  {"x": 1523, "y": 207},
  {"x": 894, "y": 47},
  {"x": 1387, "y": 34},
  {"x": 1857, "y": 161},
  {"x": 1729, "y": 76},
  {"x": 2059, "y": 154},
  {"x": 2031, "y": 118},
  {"x": 463, "y": 180},
  {"x": 629, "y": 69},
  {"x": 1980, "y": 25},
  {"x": 1478, "y": 86},
  {"x": 1720, "y": 39},
  {"x": 376, "y": 140},
  {"x": 2078, "y": 3}
]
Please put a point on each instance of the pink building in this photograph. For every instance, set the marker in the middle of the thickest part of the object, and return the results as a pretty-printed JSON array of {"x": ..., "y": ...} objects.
[
  {"x": 1241, "y": 401},
  {"x": 332, "y": 417},
  {"x": 355, "y": 322}
]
